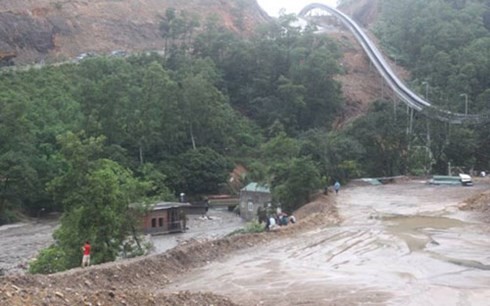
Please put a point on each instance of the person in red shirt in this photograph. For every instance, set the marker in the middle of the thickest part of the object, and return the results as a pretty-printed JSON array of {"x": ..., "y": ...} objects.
[{"x": 86, "y": 254}]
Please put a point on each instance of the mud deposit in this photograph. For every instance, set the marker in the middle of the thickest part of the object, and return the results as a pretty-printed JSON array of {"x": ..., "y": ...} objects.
[
  {"x": 404, "y": 244},
  {"x": 401, "y": 244},
  {"x": 21, "y": 242}
]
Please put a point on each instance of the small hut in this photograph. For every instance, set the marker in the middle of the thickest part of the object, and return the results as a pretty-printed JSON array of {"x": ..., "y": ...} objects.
[
  {"x": 252, "y": 197},
  {"x": 165, "y": 217}
]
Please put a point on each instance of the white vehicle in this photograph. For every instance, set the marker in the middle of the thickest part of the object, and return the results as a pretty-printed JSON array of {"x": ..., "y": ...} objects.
[
  {"x": 86, "y": 55},
  {"x": 465, "y": 179},
  {"x": 119, "y": 53}
]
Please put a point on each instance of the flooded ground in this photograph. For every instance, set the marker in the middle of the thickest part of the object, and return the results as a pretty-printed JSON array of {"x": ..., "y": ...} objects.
[
  {"x": 403, "y": 244},
  {"x": 21, "y": 242},
  {"x": 216, "y": 224}
]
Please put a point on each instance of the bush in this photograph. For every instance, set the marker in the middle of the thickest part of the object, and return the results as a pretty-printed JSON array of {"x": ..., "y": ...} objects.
[
  {"x": 251, "y": 227},
  {"x": 8, "y": 216},
  {"x": 254, "y": 227},
  {"x": 50, "y": 260},
  {"x": 131, "y": 248}
]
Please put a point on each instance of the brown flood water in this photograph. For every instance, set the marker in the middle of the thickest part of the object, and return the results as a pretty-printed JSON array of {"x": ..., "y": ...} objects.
[{"x": 404, "y": 244}]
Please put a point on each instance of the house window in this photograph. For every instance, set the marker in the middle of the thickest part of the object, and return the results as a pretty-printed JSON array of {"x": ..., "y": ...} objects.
[
  {"x": 160, "y": 222},
  {"x": 153, "y": 222},
  {"x": 250, "y": 206}
]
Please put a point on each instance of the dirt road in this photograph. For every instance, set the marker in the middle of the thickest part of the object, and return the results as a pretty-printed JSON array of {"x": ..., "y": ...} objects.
[{"x": 403, "y": 244}]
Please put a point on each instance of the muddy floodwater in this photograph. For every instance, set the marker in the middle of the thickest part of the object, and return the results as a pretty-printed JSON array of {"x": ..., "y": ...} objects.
[{"x": 403, "y": 244}]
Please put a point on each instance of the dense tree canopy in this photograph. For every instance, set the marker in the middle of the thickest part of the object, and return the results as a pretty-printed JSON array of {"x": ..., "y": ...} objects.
[{"x": 446, "y": 46}]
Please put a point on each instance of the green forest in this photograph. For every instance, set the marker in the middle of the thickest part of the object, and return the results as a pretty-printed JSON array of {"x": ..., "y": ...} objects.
[{"x": 88, "y": 139}]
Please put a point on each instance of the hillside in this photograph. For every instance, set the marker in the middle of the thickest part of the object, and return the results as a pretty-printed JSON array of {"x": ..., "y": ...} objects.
[
  {"x": 58, "y": 30},
  {"x": 53, "y": 31},
  {"x": 361, "y": 83}
]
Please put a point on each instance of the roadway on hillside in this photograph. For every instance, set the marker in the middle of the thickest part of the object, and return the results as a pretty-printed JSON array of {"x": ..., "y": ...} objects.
[{"x": 401, "y": 244}]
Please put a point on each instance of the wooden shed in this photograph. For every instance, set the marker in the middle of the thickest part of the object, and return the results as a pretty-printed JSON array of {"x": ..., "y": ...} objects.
[{"x": 165, "y": 217}]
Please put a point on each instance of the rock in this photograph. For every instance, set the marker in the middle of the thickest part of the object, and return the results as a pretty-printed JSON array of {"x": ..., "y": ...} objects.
[
  {"x": 434, "y": 242},
  {"x": 15, "y": 287}
]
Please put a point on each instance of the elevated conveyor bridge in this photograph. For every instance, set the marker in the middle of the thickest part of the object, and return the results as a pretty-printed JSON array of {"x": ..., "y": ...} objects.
[{"x": 409, "y": 97}]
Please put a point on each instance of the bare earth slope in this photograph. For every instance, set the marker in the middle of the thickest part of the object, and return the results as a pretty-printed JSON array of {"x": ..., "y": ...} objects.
[
  {"x": 58, "y": 30},
  {"x": 361, "y": 83}
]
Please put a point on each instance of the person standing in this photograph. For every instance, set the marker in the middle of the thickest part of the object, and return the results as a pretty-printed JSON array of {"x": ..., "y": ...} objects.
[
  {"x": 206, "y": 208},
  {"x": 336, "y": 186},
  {"x": 183, "y": 220},
  {"x": 86, "y": 254}
]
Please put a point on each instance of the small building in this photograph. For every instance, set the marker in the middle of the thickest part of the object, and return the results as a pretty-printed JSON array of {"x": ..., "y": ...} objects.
[
  {"x": 252, "y": 197},
  {"x": 165, "y": 217}
]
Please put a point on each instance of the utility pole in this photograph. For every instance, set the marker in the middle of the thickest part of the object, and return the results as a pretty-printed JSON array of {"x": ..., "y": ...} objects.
[{"x": 428, "y": 128}]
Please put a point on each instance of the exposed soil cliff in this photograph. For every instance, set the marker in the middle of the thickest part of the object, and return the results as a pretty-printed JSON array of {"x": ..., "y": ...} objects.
[
  {"x": 361, "y": 83},
  {"x": 59, "y": 30}
]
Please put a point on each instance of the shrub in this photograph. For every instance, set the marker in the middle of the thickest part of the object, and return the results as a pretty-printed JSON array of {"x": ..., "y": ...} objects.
[
  {"x": 50, "y": 260},
  {"x": 8, "y": 216},
  {"x": 254, "y": 227},
  {"x": 251, "y": 227}
]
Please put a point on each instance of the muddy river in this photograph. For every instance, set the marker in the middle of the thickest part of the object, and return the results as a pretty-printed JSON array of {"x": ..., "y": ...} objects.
[{"x": 404, "y": 244}]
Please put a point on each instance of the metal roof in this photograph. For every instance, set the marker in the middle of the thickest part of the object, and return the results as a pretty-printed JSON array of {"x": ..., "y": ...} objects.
[
  {"x": 256, "y": 187},
  {"x": 167, "y": 205}
]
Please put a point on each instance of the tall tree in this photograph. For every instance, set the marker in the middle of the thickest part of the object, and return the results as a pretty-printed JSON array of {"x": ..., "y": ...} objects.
[{"x": 96, "y": 194}]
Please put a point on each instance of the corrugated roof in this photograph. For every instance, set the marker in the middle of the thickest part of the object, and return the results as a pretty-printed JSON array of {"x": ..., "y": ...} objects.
[
  {"x": 167, "y": 205},
  {"x": 256, "y": 187}
]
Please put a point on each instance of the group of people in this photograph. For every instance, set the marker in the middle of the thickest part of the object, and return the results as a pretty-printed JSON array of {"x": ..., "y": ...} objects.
[
  {"x": 278, "y": 220},
  {"x": 336, "y": 187}
]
